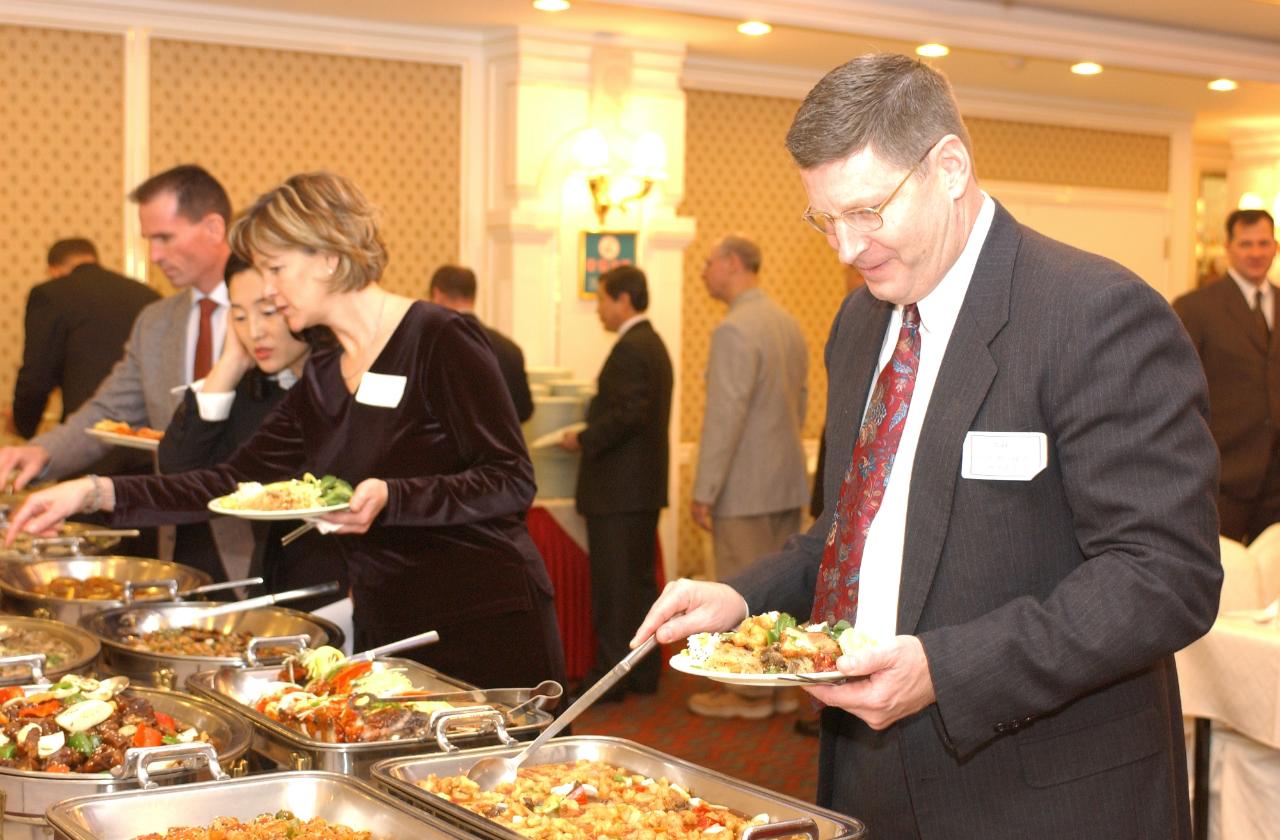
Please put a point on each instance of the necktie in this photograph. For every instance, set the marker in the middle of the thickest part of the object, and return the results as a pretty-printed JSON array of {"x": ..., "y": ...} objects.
[
  {"x": 204, "y": 339},
  {"x": 1260, "y": 316},
  {"x": 836, "y": 594}
]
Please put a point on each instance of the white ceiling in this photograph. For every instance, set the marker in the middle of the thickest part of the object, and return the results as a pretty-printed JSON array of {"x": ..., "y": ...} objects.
[{"x": 1159, "y": 54}]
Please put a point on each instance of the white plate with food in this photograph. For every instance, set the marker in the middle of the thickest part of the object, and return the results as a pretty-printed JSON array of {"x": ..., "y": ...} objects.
[
  {"x": 130, "y": 440},
  {"x": 296, "y": 498},
  {"x": 683, "y": 663},
  {"x": 771, "y": 649}
]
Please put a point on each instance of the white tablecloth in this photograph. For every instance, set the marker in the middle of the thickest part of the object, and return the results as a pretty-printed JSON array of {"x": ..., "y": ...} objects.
[{"x": 1232, "y": 676}]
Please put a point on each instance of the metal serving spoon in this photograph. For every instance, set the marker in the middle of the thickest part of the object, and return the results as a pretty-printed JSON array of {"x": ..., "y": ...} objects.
[{"x": 490, "y": 772}]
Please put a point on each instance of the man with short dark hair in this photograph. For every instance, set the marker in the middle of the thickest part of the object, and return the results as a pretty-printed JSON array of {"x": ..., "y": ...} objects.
[
  {"x": 1020, "y": 480},
  {"x": 622, "y": 479},
  {"x": 454, "y": 287},
  {"x": 184, "y": 214},
  {"x": 1231, "y": 322},
  {"x": 76, "y": 325}
]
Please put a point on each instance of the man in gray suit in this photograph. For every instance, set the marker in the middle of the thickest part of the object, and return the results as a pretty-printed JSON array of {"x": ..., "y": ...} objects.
[
  {"x": 184, "y": 213},
  {"x": 751, "y": 481},
  {"x": 1025, "y": 530}
]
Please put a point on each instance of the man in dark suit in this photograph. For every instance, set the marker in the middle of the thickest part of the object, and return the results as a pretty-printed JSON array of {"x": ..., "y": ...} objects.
[
  {"x": 622, "y": 479},
  {"x": 454, "y": 287},
  {"x": 1230, "y": 322},
  {"x": 1024, "y": 531},
  {"x": 76, "y": 326}
]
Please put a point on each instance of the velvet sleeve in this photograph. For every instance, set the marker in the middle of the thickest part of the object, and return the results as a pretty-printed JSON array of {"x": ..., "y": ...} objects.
[{"x": 459, "y": 375}]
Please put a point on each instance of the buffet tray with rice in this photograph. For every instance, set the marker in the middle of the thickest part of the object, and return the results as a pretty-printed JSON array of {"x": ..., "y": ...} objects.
[
  {"x": 296, "y": 805},
  {"x": 591, "y": 787}
]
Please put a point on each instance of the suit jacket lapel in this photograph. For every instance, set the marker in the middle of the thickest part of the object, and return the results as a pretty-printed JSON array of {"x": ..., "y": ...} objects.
[
  {"x": 852, "y": 376},
  {"x": 1241, "y": 311},
  {"x": 967, "y": 372}
]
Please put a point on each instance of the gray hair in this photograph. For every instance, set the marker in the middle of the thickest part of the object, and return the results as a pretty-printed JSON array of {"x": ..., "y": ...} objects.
[
  {"x": 744, "y": 249},
  {"x": 896, "y": 106}
]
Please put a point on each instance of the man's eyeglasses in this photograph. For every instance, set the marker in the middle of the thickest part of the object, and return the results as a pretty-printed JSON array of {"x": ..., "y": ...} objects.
[{"x": 861, "y": 219}]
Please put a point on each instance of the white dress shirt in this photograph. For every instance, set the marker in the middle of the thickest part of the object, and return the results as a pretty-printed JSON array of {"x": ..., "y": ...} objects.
[
  {"x": 882, "y": 556},
  {"x": 218, "y": 320},
  {"x": 631, "y": 322},
  {"x": 214, "y": 407},
  {"x": 1250, "y": 293}
]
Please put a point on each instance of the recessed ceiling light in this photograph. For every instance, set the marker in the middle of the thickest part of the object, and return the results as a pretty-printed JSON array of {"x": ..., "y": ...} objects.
[
  {"x": 932, "y": 50},
  {"x": 551, "y": 5},
  {"x": 1223, "y": 84},
  {"x": 1086, "y": 68},
  {"x": 754, "y": 28}
]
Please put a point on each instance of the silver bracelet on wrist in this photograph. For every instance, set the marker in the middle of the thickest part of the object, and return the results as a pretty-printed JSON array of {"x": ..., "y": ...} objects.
[{"x": 94, "y": 502}]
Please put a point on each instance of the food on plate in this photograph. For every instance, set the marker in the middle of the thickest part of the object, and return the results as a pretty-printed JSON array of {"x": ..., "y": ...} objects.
[
  {"x": 295, "y": 494},
  {"x": 196, "y": 641},
  {"x": 585, "y": 800},
  {"x": 344, "y": 702},
  {"x": 81, "y": 725},
  {"x": 15, "y": 642},
  {"x": 116, "y": 427},
  {"x": 774, "y": 643},
  {"x": 90, "y": 589},
  {"x": 275, "y": 826}
]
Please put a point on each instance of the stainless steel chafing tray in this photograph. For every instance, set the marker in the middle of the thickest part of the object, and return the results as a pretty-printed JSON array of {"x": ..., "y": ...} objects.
[
  {"x": 73, "y": 538},
  {"x": 28, "y": 792},
  {"x": 16, "y": 668},
  {"x": 18, "y": 581},
  {"x": 174, "y": 670},
  {"x": 487, "y": 718},
  {"x": 788, "y": 816},
  {"x": 336, "y": 799}
]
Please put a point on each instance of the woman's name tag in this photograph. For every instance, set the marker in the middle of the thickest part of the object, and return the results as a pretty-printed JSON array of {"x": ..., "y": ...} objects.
[{"x": 380, "y": 389}]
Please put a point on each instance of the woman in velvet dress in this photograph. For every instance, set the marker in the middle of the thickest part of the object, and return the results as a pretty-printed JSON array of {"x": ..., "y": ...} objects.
[
  {"x": 260, "y": 361},
  {"x": 412, "y": 410}
]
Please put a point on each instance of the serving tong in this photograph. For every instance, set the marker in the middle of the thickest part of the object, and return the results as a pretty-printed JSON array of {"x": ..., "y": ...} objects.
[{"x": 170, "y": 585}]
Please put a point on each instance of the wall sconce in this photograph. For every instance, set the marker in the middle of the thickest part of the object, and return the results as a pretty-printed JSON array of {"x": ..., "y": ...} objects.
[{"x": 619, "y": 172}]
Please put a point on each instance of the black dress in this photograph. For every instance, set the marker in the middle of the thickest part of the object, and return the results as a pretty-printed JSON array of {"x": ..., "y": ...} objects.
[
  {"x": 191, "y": 443},
  {"x": 450, "y": 551}
]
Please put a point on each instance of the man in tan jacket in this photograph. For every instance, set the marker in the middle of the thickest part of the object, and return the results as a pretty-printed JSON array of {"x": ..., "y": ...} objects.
[{"x": 751, "y": 482}]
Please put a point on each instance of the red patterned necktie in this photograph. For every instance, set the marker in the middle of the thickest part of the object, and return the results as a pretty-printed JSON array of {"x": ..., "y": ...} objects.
[
  {"x": 204, "y": 339},
  {"x": 864, "y": 485}
]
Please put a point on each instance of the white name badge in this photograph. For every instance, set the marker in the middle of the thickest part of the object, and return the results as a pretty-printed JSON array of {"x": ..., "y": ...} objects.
[
  {"x": 1004, "y": 456},
  {"x": 380, "y": 389}
]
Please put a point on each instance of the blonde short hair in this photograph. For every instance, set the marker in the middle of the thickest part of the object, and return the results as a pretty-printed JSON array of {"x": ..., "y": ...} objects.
[{"x": 316, "y": 212}]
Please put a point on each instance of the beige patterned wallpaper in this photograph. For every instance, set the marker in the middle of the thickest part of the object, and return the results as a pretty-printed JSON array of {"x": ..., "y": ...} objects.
[
  {"x": 740, "y": 179},
  {"x": 62, "y": 168},
  {"x": 254, "y": 116},
  {"x": 1004, "y": 150}
]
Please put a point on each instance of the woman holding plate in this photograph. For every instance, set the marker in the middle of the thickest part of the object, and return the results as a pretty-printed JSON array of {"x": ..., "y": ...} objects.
[
  {"x": 261, "y": 360},
  {"x": 411, "y": 409}
]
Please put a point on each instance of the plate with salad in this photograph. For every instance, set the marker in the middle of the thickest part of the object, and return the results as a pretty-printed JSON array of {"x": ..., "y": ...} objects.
[
  {"x": 296, "y": 498},
  {"x": 771, "y": 649}
]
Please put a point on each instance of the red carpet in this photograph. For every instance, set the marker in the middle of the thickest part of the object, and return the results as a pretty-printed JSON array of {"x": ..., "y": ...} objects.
[{"x": 766, "y": 752}]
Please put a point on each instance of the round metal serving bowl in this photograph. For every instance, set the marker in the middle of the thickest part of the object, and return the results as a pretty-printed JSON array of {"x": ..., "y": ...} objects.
[
  {"x": 84, "y": 645},
  {"x": 72, "y": 540},
  {"x": 29, "y": 792},
  {"x": 18, "y": 581},
  {"x": 113, "y": 627}
]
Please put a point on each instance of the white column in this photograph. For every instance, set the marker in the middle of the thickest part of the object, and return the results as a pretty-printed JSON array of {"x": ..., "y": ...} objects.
[
  {"x": 543, "y": 90},
  {"x": 1255, "y": 166}
]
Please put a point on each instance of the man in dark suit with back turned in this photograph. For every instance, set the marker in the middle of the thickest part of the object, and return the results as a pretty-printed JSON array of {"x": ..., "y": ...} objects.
[
  {"x": 1024, "y": 531},
  {"x": 76, "y": 326},
  {"x": 622, "y": 479},
  {"x": 1230, "y": 322},
  {"x": 454, "y": 287}
]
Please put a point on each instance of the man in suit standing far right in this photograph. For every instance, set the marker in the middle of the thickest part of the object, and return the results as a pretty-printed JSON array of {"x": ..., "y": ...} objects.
[
  {"x": 622, "y": 478},
  {"x": 1230, "y": 322}
]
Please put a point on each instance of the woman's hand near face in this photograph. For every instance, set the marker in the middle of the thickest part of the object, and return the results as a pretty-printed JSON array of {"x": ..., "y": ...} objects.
[
  {"x": 368, "y": 500},
  {"x": 43, "y": 511},
  {"x": 230, "y": 368}
]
